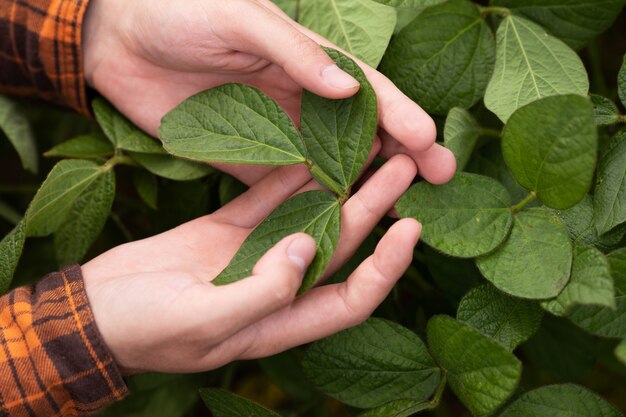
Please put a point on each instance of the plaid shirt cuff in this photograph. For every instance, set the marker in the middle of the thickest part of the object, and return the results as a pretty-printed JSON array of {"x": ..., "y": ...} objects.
[
  {"x": 40, "y": 50},
  {"x": 53, "y": 361}
]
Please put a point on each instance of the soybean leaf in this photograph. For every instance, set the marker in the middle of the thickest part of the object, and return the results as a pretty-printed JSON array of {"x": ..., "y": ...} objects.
[
  {"x": 54, "y": 200},
  {"x": 460, "y": 134},
  {"x": 443, "y": 58},
  {"x": 566, "y": 400},
  {"x": 561, "y": 349},
  {"x": 590, "y": 282},
  {"x": 223, "y": 403},
  {"x": 232, "y": 123},
  {"x": 467, "y": 217},
  {"x": 620, "y": 352},
  {"x": 605, "y": 111},
  {"x": 399, "y": 408},
  {"x": 372, "y": 364},
  {"x": 316, "y": 213},
  {"x": 575, "y": 22},
  {"x": 621, "y": 82},
  {"x": 360, "y": 27},
  {"x": 507, "y": 320},
  {"x": 18, "y": 131},
  {"x": 535, "y": 261},
  {"x": 617, "y": 262},
  {"x": 147, "y": 188},
  {"x": 480, "y": 371},
  {"x": 579, "y": 221},
  {"x": 92, "y": 145},
  {"x": 120, "y": 131},
  {"x": 601, "y": 321},
  {"x": 610, "y": 196},
  {"x": 338, "y": 134},
  {"x": 488, "y": 160},
  {"x": 531, "y": 64},
  {"x": 85, "y": 220},
  {"x": 11, "y": 248},
  {"x": 290, "y": 7},
  {"x": 171, "y": 167},
  {"x": 550, "y": 146},
  {"x": 410, "y": 3}
]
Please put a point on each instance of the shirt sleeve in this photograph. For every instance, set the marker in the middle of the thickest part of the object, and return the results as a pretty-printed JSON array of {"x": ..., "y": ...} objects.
[
  {"x": 40, "y": 50},
  {"x": 53, "y": 361}
]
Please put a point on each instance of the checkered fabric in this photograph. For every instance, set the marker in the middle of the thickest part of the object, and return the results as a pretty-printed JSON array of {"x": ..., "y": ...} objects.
[
  {"x": 52, "y": 359},
  {"x": 40, "y": 50}
]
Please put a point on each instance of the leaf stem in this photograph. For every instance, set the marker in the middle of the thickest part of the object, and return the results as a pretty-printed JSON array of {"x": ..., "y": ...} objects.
[
  {"x": 327, "y": 181},
  {"x": 434, "y": 403},
  {"x": 530, "y": 197},
  {"x": 491, "y": 133},
  {"x": 487, "y": 10},
  {"x": 119, "y": 159}
]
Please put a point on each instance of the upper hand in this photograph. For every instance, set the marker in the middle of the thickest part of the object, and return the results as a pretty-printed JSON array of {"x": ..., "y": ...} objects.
[
  {"x": 145, "y": 57},
  {"x": 157, "y": 310}
]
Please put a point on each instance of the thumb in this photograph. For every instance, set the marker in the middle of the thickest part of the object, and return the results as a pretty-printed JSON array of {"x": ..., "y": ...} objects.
[
  {"x": 262, "y": 32},
  {"x": 274, "y": 282}
]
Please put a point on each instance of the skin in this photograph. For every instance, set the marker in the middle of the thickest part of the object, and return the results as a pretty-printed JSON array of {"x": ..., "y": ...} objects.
[{"x": 153, "y": 300}]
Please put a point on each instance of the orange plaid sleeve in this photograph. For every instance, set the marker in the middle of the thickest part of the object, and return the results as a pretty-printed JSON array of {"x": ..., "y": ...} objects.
[
  {"x": 40, "y": 50},
  {"x": 52, "y": 359}
]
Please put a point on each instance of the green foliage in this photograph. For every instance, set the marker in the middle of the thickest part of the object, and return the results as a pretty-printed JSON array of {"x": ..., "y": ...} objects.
[
  {"x": 84, "y": 146},
  {"x": 360, "y": 27},
  {"x": 467, "y": 217},
  {"x": 460, "y": 134},
  {"x": 225, "y": 404},
  {"x": 372, "y": 364},
  {"x": 11, "y": 248},
  {"x": 481, "y": 381},
  {"x": 535, "y": 261},
  {"x": 17, "y": 129},
  {"x": 610, "y": 197},
  {"x": 443, "y": 58},
  {"x": 531, "y": 64}
]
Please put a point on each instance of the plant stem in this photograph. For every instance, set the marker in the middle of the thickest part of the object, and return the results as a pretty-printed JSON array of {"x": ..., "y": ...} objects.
[
  {"x": 327, "y": 181},
  {"x": 502, "y": 11},
  {"x": 119, "y": 159},
  {"x": 491, "y": 133},
  {"x": 437, "y": 397},
  {"x": 530, "y": 197}
]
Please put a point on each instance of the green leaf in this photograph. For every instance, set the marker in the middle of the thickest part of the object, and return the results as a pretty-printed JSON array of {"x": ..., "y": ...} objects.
[
  {"x": 17, "y": 129},
  {"x": 285, "y": 372},
  {"x": 610, "y": 196},
  {"x": 85, "y": 220},
  {"x": 605, "y": 111},
  {"x": 64, "y": 185},
  {"x": 460, "y": 134},
  {"x": 120, "y": 131},
  {"x": 360, "y": 27},
  {"x": 535, "y": 260},
  {"x": 410, "y": 3},
  {"x": 566, "y": 400},
  {"x": 620, "y": 352},
  {"x": 290, "y": 7},
  {"x": 372, "y": 364},
  {"x": 232, "y": 123},
  {"x": 579, "y": 221},
  {"x": 590, "y": 282},
  {"x": 86, "y": 146},
  {"x": 454, "y": 276},
  {"x": 223, "y": 403},
  {"x": 617, "y": 262},
  {"x": 550, "y": 146},
  {"x": 146, "y": 187},
  {"x": 531, "y": 64},
  {"x": 575, "y": 22},
  {"x": 621, "y": 82},
  {"x": 561, "y": 349},
  {"x": 399, "y": 408},
  {"x": 507, "y": 320},
  {"x": 480, "y": 371},
  {"x": 171, "y": 167},
  {"x": 443, "y": 58},
  {"x": 467, "y": 217},
  {"x": 11, "y": 248},
  {"x": 601, "y": 321},
  {"x": 338, "y": 134},
  {"x": 316, "y": 213}
]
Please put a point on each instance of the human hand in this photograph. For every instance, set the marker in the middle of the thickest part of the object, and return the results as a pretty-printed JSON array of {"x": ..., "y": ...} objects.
[
  {"x": 157, "y": 310},
  {"x": 145, "y": 57}
]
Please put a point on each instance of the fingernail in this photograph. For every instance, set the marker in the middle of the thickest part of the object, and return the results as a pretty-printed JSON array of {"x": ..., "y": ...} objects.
[
  {"x": 301, "y": 252},
  {"x": 337, "y": 78}
]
